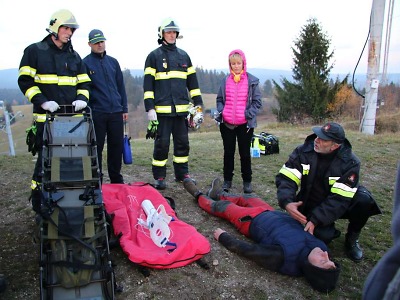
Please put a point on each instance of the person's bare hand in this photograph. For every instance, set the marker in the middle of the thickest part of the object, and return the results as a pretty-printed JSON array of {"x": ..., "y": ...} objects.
[
  {"x": 310, "y": 227},
  {"x": 293, "y": 210},
  {"x": 218, "y": 232}
]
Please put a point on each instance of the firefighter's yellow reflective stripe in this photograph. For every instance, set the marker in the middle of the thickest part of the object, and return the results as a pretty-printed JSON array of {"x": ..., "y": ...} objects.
[
  {"x": 27, "y": 71},
  {"x": 54, "y": 79},
  {"x": 159, "y": 163},
  {"x": 191, "y": 70},
  {"x": 343, "y": 190},
  {"x": 148, "y": 95},
  {"x": 67, "y": 80},
  {"x": 180, "y": 159},
  {"x": 195, "y": 92},
  {"x": 292, "y": 174},
  {"x": 150, "y": 71},
  {"x": 41, "y": 118},
  {"x": 171, "y": 74},
  {"x": 168, "y": 109},
  {"x": 61, "y": 80},
  {"x": 48, "y": 78},
  {"x": 182, "y": 107},
  {"x": 332, "y": 180},
  {"x": 306, "y": 169},
  {"x": 34, "y": 184},
  {"x": 83, "y": 78},
  {"x": 83, "y": 92},
  {"x": 163, "y": 109},
  {"x": 31, "y": 92}
]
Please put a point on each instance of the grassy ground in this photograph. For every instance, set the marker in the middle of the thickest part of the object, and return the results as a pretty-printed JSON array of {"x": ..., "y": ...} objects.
[{"x": 233, "y": 277}]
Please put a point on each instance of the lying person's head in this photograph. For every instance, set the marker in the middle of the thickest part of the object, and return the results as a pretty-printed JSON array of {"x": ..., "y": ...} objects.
[{"x": 321, "y": 272}]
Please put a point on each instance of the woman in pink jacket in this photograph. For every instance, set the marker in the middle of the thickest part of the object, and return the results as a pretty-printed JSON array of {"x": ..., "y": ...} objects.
[{"x": 238, "y": 101}]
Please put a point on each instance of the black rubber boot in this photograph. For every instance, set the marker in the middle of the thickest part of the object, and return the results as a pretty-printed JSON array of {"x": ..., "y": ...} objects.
[
  {"x": 353, "y": 249},
  {"x": 160, "y": 184}
]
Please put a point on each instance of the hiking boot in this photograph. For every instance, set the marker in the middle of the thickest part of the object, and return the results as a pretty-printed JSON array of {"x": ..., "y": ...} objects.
[
  {"x": 216, "y": 189},
  {"x": 190, "y": 185},
  {"x": 353, "y": 249},
  {"x": 160, "y": 184},
  {"x": 226, "y": 185},
  {"x": 247, "y": 188}
]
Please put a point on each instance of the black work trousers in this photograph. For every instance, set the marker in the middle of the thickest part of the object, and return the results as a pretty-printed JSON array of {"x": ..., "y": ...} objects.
[
  {"x": 37, "y": 172},
  {"x": 178, "y": 127},
  {"x": 243, "y": 136},
  {"x": 362, "y": 206},
  {"x": 110, "y": 125}
]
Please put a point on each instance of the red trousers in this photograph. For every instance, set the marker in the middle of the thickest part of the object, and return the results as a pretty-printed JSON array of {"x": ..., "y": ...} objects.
[{"x": 237, "y": 209}]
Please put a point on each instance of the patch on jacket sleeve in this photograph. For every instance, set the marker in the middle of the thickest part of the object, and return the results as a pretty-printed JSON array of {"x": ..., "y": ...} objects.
[{"x": 352, "y": 179}]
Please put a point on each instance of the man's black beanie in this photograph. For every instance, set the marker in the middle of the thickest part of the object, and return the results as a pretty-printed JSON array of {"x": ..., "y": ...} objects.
[{"x": 322, "y": 280}]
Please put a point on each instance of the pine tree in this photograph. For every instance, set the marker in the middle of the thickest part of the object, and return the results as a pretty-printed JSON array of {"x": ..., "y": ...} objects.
[{"x": 309, "y": 93}]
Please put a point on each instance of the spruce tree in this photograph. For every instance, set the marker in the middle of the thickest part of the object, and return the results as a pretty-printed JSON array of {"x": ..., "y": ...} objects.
[{"x": 309, "y": 93}]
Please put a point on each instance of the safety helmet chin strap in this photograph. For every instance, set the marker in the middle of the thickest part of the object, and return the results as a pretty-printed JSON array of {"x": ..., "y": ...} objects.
[{"x": 52, "y": 33}]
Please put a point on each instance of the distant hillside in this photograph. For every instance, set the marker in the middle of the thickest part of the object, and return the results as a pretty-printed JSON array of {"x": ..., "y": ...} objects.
[{"x": 8, "y": 77}]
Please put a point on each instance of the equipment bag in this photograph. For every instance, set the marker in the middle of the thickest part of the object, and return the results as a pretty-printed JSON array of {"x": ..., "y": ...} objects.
[
  {"x": 151, "y": 234},
  {"x": 266, "y": 142},
  {"x": 126, "y": 150}
]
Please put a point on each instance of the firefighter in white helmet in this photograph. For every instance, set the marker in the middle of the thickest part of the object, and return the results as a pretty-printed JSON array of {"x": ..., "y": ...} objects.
[
  {"x": 51, "y": 74},
  {"x": 170, "y": 89}
]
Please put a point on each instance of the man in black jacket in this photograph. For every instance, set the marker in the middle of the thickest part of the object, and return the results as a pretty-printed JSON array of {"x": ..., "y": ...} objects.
[
  {"x": 108, "y": 102},
  {"x": 51, "y": 74},
  {"x": 281, "y": 244},
  {"x": 170, "y": 88},
  {"x": 326, "y": 172}
]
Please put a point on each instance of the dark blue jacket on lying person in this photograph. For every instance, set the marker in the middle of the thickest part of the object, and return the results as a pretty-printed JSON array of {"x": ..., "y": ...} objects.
[{"x": 275, "y": 228}]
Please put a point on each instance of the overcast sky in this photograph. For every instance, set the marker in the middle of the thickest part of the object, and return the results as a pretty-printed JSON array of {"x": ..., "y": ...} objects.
[{"x": 265, "y": 30}]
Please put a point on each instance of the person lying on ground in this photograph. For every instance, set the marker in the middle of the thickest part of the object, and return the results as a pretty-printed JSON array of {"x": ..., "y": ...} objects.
[{"x": 281, "y": 244}]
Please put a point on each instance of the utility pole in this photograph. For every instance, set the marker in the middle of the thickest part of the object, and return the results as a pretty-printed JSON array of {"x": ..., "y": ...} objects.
[
  {"x": 374, "y": 52},
  {"x": 9, "y": 134},
  {"x": 7, "y": 127}
]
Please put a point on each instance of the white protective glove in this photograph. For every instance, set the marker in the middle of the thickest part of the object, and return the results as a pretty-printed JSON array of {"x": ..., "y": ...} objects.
[
  {"x": 51, "y": 106},
  {"x": 79, "y": 104},
  {"x": 152, "y": 115},
  {"x": 198, "y": 118}
]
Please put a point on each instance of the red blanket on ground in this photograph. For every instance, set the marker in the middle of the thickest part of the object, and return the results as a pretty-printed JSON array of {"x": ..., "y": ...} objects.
[{"x": 124, "y": 203}]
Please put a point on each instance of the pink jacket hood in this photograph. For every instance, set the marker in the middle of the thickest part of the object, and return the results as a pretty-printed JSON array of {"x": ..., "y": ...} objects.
[{"x": 241, "y": 53}]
